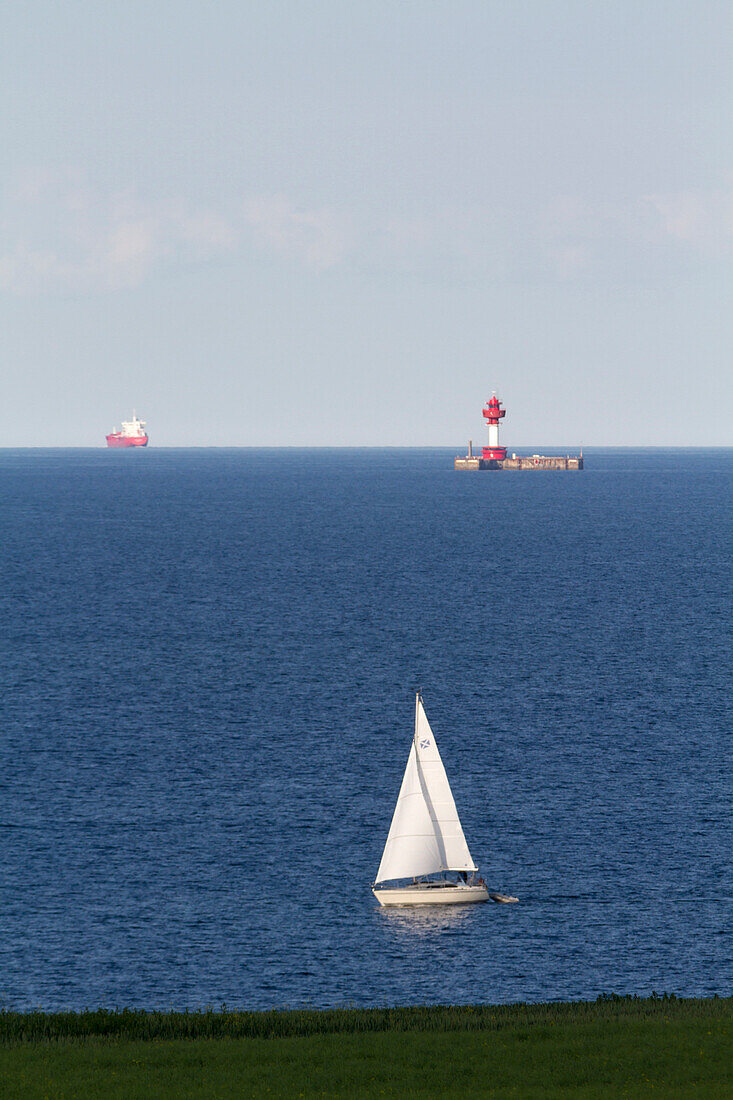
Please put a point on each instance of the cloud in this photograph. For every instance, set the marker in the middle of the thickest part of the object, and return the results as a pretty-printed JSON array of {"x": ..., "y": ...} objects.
[
  {"x": 132, "y": 243},
  {"x": 637, "y": 234},
  {"x": 61, "y": 233},
  {"x": 318, "y": 236},
  {"x": 703, "y": 219},
  {"x": 208, "y": 230}
]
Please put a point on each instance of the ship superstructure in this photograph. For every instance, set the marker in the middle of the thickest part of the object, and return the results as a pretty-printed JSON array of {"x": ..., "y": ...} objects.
[{"x": 131, "y": 434}]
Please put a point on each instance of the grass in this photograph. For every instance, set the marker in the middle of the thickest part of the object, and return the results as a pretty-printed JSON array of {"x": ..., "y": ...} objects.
[{"x": 612, "y": 1047}]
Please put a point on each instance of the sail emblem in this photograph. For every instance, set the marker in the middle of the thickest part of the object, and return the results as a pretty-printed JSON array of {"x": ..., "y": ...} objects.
[{"x": 425, "y": 744}]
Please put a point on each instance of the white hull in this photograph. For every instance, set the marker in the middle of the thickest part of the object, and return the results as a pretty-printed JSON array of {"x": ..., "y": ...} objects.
[{"x": 426, "y": 894}]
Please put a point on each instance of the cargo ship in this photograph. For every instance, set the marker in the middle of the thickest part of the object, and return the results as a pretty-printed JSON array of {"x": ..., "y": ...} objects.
[{"x": 131, "y": 434}]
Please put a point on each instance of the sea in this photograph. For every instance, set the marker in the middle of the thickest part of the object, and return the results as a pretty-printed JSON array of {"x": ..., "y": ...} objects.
[{"x": 209, "y": 660}]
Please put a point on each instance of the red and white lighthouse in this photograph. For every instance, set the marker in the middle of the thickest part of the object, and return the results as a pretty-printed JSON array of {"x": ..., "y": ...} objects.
[
  {"x": 493, "y": 413},
  {"x": 494, "y": 457}
]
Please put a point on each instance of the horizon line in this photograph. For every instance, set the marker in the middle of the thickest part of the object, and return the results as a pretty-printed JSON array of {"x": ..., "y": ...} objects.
[{"x": 364, "y": 447}]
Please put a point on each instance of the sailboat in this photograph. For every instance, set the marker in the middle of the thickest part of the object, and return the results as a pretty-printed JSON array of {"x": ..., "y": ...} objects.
[{"x": 426, "y": 845}]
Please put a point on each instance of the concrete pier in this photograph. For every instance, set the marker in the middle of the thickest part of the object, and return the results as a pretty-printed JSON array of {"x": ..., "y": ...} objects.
[{"x": 519, "y": 462}]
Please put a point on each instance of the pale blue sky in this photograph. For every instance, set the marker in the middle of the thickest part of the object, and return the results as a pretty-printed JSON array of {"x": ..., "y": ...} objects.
[{"x": 334, "y": 222}]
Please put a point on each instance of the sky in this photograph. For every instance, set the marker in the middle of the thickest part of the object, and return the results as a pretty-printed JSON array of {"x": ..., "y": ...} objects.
[{"x": 348, "y": 222}]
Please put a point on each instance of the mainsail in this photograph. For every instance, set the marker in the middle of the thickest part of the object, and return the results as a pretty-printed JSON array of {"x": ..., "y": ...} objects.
[{"x": 425, "y": 836}]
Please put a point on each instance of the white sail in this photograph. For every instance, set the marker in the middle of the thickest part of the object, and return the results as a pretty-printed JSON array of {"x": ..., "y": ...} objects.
[
  {"x": 425, "y": 837},
  {"x": 440, "y": 798},
  {"x": 412, "y": 845}
]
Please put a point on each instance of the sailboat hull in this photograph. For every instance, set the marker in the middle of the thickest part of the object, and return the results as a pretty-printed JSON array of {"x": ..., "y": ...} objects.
[{"x": 430, "y": 894}]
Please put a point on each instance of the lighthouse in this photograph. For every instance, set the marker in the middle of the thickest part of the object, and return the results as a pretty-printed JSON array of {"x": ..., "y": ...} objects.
[
  {"x": 493, "y": 413},
  {"x": 494, "y": 457}
]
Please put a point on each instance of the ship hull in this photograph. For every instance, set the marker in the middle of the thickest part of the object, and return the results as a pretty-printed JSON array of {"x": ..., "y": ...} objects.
[
  {"x": 127, "y": 440},
  {"x": 430, "y": 895}
]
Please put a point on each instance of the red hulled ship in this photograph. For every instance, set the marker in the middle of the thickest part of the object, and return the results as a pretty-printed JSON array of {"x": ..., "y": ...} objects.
[{"x": 131, "y": 434}]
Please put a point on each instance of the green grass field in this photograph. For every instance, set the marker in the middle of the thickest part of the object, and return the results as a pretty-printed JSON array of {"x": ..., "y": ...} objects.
[{"x": 613, "y": 1047}]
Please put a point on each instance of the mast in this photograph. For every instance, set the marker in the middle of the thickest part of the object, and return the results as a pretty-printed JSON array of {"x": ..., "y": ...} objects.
[{"x": 417, "y": 715}]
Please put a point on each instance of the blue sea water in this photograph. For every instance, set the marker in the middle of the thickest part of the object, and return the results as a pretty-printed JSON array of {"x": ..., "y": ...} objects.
[{"x": 208, "y": 664}]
